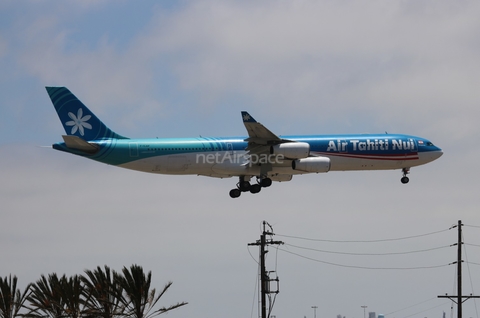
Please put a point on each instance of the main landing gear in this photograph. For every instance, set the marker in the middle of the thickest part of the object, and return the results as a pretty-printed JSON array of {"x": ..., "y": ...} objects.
[
  {"x": 245, "y": 186},
  {"x": 405, "y": 178}
]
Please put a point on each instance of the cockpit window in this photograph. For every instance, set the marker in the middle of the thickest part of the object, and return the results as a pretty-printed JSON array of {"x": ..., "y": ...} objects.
[{"x": 429, "y": 143}]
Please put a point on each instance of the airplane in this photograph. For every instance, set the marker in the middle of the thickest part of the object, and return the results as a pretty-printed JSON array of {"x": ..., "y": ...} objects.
[{"x": 262, "y": 154}]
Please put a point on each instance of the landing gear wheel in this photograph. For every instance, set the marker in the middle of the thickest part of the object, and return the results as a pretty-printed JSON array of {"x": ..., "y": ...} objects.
[
  {"x": 244, "y": 186},
  {"x": 255, "y": 188},
  {"x": 266, "y": 182},
  {"x": 235, "y": 193},
  {"x": 405, "y": 178}
]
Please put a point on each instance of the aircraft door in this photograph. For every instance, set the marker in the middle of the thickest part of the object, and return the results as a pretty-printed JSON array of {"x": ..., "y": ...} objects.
[
  {"x": 230, "y": 148},
  {"x": 342, "y": 146},
  {"x": 133, "y": 149}
]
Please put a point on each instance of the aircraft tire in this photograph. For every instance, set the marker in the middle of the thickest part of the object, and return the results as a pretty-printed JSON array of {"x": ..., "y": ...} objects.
[
  {"x": 235, "y": 193},
  {"x": 266, "y": 182},
  {"x": 405, "y": 180},
  {"x": 255, "y": 188},
  {"x": 244, "y": 186}
]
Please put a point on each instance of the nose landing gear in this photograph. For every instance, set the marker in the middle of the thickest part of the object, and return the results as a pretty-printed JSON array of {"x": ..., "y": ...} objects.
[{"x": 405, "y": 179}]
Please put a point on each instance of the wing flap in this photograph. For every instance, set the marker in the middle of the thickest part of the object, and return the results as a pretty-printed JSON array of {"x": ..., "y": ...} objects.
[{"x": 254, "y": 148}]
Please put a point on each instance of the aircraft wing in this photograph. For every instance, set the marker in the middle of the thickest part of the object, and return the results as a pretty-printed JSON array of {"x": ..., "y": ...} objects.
[
  {"x": 260, "y": 138},
  {"x": 257, "y": 132}
]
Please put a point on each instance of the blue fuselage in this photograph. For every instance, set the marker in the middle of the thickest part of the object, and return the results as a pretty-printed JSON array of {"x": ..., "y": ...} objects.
[{"x": 225, "y": 157}]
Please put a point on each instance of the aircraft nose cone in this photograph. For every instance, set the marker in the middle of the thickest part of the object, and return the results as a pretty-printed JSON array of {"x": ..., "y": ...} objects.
[{"x": 437, "y": 154}]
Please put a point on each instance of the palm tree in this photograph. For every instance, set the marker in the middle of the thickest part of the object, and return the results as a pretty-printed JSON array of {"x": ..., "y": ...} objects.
[
  {"x": 139, "y": 299},
  {"x": 55, "y": 297},
  {"x": 102, "y": 293},
  {"x": 45, "y": 298},
  {"x": 11, "y": 299},
  {"x": 71, "y": 291}
]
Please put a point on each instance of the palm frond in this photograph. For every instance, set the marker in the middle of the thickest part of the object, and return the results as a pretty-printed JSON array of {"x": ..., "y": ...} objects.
[{"x": 11, "y": 299}]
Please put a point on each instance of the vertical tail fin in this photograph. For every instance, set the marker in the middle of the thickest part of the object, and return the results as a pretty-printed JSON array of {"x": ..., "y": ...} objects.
[{"x": 76, "y": 118}]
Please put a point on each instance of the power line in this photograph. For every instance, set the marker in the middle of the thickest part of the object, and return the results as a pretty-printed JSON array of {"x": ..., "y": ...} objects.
[
  {"x": 252, "y": 256},
  {"x": 368, "y": 254},
  {"x": 425, "y": 310},
  {"x": 473, "y": 263},
  {"x": 362, "y": 267},
  {"x": 477, "y": 226},
  {"x": 469, "y": 273},
  {"x": 254, "y": 292},
  {"x": 362, "y": 241},
  {"x": 470, "y": 244},
  {"x": 422, "y": 302}
]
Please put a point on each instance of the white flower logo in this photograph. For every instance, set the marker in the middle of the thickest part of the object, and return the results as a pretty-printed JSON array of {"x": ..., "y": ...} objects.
[
  {"x": 78, "y": 122},
  {"x": 246, "y": 117}
]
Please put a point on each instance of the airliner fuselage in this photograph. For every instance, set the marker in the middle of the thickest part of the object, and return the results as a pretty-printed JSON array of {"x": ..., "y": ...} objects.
[{"x": 261, "y": 154}]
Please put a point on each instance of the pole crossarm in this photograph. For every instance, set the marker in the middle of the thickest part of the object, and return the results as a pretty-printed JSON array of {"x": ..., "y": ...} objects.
[
  {"x": 266, "y": 243},
  {"x": 455, "y": 298}
]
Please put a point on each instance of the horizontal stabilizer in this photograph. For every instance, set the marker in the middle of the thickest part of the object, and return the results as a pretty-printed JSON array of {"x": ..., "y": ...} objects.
[{"x": 74, "y": 142}]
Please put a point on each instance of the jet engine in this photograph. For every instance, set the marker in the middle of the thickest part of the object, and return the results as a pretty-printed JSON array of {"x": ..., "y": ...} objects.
[
  {"x": 312, "y": 164},
  {"x": 291, "y": 150}
]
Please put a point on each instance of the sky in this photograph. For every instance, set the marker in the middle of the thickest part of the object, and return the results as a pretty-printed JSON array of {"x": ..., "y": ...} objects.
[{"x": 188, "y": 68}]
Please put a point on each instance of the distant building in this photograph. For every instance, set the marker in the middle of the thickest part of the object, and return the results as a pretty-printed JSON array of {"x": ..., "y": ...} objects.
[
  {"x": 372, "y": 315},
  {"x": 383, "y": 316}
]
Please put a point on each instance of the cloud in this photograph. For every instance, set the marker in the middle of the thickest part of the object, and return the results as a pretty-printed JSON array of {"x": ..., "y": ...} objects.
[
  {"x": 55, "y": 52},
  {"x": 332, "y": 59},
  {"x": 362, "y": 66},
  {"x": 315, "y": 67}
]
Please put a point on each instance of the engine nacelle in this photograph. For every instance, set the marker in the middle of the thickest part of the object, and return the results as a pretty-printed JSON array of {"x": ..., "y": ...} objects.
[
  {"x": 291, "y": 150},
  {"x": 312, "y": 164}
]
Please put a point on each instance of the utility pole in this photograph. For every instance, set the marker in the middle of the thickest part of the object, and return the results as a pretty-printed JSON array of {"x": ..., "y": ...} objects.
[
  {"x": 364, "y": 311},
  {"x": 314, "y": 311},
  {"x": 460, "y": 299},
  {"x": 264, "y": 278}
]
